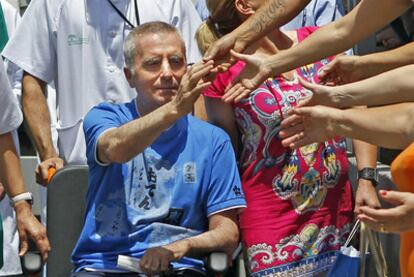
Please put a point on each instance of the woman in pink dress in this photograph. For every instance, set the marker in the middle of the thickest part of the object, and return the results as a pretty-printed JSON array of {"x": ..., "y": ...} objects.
[{"x": 299, "y": 202}]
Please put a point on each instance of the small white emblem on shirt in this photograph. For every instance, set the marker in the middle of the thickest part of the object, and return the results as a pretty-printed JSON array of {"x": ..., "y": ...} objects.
[{"x": 190, "y": 172}]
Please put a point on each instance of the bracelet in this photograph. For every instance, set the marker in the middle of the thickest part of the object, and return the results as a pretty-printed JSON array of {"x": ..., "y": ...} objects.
[{"x": 25, "y": 196}]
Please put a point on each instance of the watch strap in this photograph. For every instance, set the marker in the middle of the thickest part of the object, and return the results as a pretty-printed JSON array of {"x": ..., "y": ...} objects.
[
  {"x": 25, "y": 196},
  {"x": 369, "y": 174}
]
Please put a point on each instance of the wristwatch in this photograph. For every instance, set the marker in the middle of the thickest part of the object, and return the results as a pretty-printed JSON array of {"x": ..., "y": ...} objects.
[
  {"x": 369, "y": 174},
  {"x": 25, "y": 196}
]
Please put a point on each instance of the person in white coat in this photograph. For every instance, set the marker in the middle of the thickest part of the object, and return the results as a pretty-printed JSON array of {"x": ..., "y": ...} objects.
[
  {"x": 11, "y": 260},
  {"x": 78, "y": 44},
  {"x": 10, "y": 173}
]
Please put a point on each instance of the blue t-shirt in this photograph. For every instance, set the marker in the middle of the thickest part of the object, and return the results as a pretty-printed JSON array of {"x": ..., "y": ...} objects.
[{"x": 162, "y": 195}]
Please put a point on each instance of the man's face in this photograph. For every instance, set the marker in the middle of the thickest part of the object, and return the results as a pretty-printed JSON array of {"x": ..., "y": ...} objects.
[{"x": 159, "y": 66}]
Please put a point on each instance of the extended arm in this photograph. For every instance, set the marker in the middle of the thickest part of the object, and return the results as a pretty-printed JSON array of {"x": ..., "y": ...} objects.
[
  {"x": 391, "y": 87},
  {"x": 11, "y": 177},
  {"x": 37, "y": 117},
  {"x": 367, "y": 17},
  {"x": 120, "y": 144},
  {"x": 388, "y": 126},
  {"x": 223, "y": 235},
  {"x": 348, "y": 69},
  {"x": 273, "y": 14}
]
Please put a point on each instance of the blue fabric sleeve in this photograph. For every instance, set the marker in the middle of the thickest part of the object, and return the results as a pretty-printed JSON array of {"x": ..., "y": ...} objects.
[
  {"x": 98, "y": 120},
  {"x": 224, "y": 189},
  {"x": 327, "y": 11}
]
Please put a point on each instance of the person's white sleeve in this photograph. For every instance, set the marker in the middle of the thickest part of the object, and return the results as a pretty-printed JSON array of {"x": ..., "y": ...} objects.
[
  {"x": 33, "y": 45},
  {"x": 10, "y": 116},
  {"x": 190, "y": 21}
]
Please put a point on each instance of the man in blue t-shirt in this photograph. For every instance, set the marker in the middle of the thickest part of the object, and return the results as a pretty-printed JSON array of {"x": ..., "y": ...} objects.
[{"x": 163, "y": 185}]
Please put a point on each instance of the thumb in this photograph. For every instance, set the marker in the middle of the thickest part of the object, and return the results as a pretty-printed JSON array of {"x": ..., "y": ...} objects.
[
  {"x": 240, "y": 56},
  {"x": 393, "y": 197},
  {"x": 308, "y": 85},
  {"x": 302, "y": 111},
  {"x": 24, "y": 243},
  {"x": 326, "y": 70}
]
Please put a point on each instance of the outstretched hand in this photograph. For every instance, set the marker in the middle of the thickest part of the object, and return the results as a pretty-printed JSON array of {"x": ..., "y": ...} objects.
[
  {"x": 342, "y": 70},
  {"x": 395, "y": 220},
  {"x": 219, "y": 51},
  {"x": 321, "y": 95},
  {"x": 255, "y": 72},
  {"x": 307, "y": 125},
  {"x": 192, "y": 84}
]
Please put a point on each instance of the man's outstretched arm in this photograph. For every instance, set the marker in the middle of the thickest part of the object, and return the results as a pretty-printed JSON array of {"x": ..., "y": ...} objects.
[{"x": 120, "y": 144}]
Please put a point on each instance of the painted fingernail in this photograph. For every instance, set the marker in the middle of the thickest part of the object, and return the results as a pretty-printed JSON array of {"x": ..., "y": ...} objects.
[{"x": 383, "y": 192}]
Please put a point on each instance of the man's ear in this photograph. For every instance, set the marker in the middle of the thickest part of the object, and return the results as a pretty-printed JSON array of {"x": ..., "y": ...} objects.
[
  {"x": 128, "y": 76},
  {"x": 244, "y": 7}
]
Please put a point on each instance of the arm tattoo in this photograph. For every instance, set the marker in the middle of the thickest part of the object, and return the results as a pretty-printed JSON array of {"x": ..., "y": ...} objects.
[{"x": 264, "y": 19}]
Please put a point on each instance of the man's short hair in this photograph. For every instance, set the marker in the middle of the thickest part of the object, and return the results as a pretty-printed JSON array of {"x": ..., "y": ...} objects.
[{"x": 155, "y": 27}]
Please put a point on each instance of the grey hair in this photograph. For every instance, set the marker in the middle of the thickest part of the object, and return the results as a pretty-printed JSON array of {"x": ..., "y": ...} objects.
[{"x": 154, "y": 27}]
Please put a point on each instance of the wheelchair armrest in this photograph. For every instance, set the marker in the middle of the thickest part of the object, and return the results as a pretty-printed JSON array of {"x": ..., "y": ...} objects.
[
  {"x": 217, "y": 262},
  {"x": 32, "y": 262}
]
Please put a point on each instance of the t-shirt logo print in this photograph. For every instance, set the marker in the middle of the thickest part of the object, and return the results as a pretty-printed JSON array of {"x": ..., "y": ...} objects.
[
  {"x": 75, "y": 40},
  {"x": 190, "y": 172}
]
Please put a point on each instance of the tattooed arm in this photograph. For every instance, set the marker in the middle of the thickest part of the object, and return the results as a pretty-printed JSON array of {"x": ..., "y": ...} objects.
[{"x": 272, "y": 14}]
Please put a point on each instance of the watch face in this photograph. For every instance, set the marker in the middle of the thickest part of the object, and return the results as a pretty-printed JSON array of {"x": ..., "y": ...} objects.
[{"x": 368, "y": 174}]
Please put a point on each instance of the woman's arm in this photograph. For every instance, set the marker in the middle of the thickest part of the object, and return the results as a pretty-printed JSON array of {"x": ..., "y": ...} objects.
[
  {"x": 367, "y": 17},
  {"x": 395, "y": 86},
  {"x": 348, "y": 69},
  {"x": 222, "y": 115},
  {"x": 388, "y": 126}
]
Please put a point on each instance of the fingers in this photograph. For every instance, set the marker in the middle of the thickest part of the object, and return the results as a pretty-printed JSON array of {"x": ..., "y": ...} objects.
[
  {"x": 393, "y": 197},
  {"x": 291, "y": 131},
  {"x": 198, "y": 71},
  {"x": 44, "y": 172},
  {"x": 24, "y": 243},
  {"x": 296, "y": 141},
  {"x": 326, "y": 72},
  {"x": 43, "y": 245},
  {"x": 292, "y": 120}
]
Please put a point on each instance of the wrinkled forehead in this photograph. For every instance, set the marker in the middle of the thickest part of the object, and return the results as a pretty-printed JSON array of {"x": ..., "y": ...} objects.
[{"x": 159, "y": 43}]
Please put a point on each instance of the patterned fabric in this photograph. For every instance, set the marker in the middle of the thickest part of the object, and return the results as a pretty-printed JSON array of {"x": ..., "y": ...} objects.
[{"x": 299, "y": 202}]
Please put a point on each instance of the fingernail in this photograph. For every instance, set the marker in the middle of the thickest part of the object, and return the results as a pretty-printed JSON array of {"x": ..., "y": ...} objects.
[{"x": 383, "y": 192}]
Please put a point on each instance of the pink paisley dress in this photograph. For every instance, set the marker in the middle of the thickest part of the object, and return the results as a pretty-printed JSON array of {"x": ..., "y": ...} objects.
[{"x": 299, "y": 202}]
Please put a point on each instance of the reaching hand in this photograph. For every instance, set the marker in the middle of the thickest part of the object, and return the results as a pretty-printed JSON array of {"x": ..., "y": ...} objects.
[
  {"x": 307, "y": 125},
  {"x": 343, "y": 70},
  {"x": 43, "y": 168},
  {"x": 192, "y": 84},
  {"x": 219, "y": 51},
  {"x": 395, "y": 220},
  {"x": 321, "y": 95},
  {"x": 255, "y": 72},
  {"x": 29, "y": 226}
]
